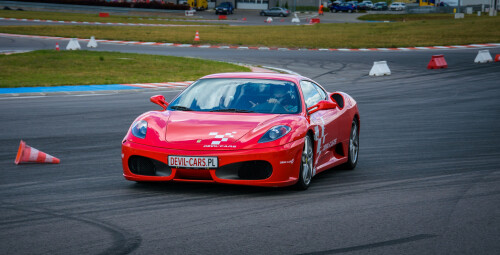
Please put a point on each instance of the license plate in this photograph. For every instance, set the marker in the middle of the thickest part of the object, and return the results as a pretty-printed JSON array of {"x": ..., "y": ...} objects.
[{"x": 192, "y": 162}]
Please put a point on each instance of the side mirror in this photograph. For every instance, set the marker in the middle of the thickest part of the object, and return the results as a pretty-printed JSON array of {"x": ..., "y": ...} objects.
[
  {"x": 322, "y": 105},
  {"x": 159, "y": 100}
]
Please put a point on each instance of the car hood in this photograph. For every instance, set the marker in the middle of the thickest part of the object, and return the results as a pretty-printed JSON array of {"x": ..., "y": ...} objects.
[{"x": 215, "y": 130}]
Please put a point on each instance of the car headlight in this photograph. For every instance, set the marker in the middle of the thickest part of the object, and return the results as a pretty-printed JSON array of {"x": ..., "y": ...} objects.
[
  {"x": 274, "y": 133},
  {"x": 139, "y": 129}
]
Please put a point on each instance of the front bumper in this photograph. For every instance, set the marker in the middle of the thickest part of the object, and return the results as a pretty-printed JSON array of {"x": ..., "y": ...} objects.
[{"x": 284, "y": 160}]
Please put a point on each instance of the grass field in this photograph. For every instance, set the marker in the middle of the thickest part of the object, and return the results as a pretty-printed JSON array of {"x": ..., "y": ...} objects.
[
  {"x": 52, "y": 68},
  {"x": 95, "y": 17},
  {"x": 430, "y": 32}
]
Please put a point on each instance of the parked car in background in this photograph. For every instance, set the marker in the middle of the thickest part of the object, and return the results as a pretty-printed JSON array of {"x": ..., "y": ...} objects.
[
  {"x": 364, "y": 6},
  {"x": 380, "y": 6},
  {"x": 367, "y": 3},
  {"x": 397, "y": 6},
  {"x": 224, "y": 8},
  {"x": 332, "y": 4},
  {"x": 344, "y": 7},
  {"x": 275, "y": 11},
  {"x": 355, "y": 3}
]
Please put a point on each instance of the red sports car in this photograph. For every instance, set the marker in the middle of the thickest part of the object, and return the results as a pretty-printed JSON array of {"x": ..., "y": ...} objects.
[{"x": 256, "y": 129}]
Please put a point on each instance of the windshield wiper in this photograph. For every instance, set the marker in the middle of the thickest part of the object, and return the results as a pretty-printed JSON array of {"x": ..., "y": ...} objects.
[
  {"x": 231, "y": 110},
  {"x": 180, "y": 108}
]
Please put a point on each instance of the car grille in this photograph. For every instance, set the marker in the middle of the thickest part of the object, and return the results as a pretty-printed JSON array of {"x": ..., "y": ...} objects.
[
  {"x": 146, "y": 166},
  {"x": 248, "y": 170}
]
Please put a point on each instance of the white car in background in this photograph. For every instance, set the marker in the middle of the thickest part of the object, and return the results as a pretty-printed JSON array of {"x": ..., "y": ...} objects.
[
  {"x": 397, "y": 6},
  {"x": 368, "y": 4}
]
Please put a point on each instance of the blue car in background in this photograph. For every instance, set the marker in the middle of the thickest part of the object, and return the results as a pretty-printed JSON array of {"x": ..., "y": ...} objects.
[
  {"x": 343, "y": 7},
  {"x": 224, "y": 8}
]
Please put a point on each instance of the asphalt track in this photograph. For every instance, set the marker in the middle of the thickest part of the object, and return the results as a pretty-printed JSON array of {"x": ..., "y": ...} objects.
[{"x": 428, "y": 179}]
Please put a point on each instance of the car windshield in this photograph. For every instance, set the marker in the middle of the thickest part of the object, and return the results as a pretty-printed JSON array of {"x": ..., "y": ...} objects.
[{"x": 239, "y": 95}]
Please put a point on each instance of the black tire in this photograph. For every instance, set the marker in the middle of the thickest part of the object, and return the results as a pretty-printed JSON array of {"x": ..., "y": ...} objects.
[
  {"x": 306, "y": 164},
  {"x": 261, "y": 14},
  {"x": 353, "y": 150}
]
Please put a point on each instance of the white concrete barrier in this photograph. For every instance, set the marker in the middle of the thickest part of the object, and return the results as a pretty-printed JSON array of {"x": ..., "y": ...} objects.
[
  {"x": 483, "y": 56},
  {"x": 73, "y": 44},
  {"x": 380, "y": 68},
  {"x": 296, "y": 19},
  {"x": 92, "y": 43}
]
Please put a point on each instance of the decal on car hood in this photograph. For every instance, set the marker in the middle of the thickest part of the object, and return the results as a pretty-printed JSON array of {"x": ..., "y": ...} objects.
[{"x": 201, "y": 130}]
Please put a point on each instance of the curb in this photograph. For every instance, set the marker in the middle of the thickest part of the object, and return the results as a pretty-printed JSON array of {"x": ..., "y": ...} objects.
[
  {"x": 110, "y": 88},
  {"x": 205, "y": 46},
  {"x": 90, "y": 89},
  {"x": 113, "y": 23}
]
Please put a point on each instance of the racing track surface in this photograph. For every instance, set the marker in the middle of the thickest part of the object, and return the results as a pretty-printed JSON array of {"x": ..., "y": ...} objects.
[{"x": 428, "y": 179}]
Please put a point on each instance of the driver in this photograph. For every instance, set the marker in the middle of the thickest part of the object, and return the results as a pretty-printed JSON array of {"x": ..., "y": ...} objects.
[
  {"x": 279, "y": 93},
  {"x": 281, "y": 97}
]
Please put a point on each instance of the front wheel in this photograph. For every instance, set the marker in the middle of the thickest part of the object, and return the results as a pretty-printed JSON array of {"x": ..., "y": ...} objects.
[
  {"x": 352, "y": 158},
  {"x": 306, "y": 165}
]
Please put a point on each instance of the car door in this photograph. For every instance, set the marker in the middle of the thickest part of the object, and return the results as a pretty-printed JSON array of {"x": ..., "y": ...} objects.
[
  {"x": 324, "y": 123},
  {"x": 275, "y": 11}
]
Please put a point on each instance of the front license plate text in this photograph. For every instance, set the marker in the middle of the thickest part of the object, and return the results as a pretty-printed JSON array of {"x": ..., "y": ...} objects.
[{"x": 192, "y": 162}]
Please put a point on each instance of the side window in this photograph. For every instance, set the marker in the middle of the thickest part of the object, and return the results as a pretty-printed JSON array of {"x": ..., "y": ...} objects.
[
  {"x": 311, "y": 95},
  {"x": 320, "y": 91}
]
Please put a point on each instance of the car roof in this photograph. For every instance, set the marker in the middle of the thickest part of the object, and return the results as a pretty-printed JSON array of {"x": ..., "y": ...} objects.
[{"x": 249, "y": 75}]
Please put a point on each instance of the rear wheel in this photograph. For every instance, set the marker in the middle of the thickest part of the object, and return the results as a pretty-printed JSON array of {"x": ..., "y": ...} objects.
[
  {"x": 306, "y": 165},
  {"x": 352, "y": 159}
]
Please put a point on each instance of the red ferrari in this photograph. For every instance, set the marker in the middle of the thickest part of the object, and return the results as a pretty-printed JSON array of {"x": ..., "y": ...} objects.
[{"x": 244, "y": 128}]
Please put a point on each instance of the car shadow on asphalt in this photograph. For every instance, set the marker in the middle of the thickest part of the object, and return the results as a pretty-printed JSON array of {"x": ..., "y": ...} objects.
[{"x": 324, "y": 178}]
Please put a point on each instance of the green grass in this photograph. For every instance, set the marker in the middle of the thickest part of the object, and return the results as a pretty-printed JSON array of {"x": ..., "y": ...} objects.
[
  {"x": 52, "y": 68},
  {"x": 95, "y": 17},
  {"x": 350, "y": 35}
]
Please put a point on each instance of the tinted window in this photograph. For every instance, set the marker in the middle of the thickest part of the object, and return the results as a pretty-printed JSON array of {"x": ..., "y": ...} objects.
[
  {"x": 239, "y": 95},
  {"x": 311, "y": 94}
]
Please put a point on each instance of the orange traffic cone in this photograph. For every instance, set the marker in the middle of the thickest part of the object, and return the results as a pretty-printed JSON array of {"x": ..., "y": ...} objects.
[
  {"x": 27, "y": 154},
  {"x": 57, "y": 46},
  {"x": 196, "y": 37}
]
